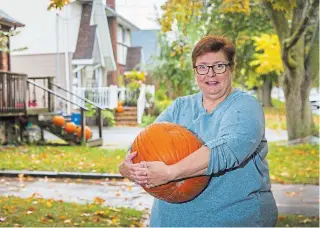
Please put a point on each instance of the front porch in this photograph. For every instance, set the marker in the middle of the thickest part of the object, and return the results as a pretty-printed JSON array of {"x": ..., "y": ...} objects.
[{"x": 109, "y": 97}]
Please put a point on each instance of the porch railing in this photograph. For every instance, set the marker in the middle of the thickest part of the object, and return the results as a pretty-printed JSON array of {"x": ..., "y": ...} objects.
[
  {"x": 108, "y": 97},
  {"x": 39, "y": 98},
  {"x": 12, "y": 93}
]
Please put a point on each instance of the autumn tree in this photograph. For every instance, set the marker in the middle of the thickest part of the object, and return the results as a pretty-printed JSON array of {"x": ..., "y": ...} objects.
[
  {"x": 179, "y": 31},
  {"x": 57, "y": 4},
  {"x": 241, "y": 23},
  {"x": 267, "y": 63},
  {"x": 297, "y": 25}
]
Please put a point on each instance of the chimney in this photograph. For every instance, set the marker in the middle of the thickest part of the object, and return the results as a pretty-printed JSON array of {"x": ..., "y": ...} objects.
[{"x": 111, "y": 3}]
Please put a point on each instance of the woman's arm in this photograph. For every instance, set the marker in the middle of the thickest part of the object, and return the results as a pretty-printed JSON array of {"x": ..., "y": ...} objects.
[
  {"x": 134, "y": 171},
  {"x": 240, "y": 133}
]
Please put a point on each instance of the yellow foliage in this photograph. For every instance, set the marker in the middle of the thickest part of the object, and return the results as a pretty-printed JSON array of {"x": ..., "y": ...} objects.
[
  {"x": 181, "y": 11},
  {"x": 58, "y": 4},
  {"x": 283, "y": 5},
  {"x": 236, "y": 6},
  {"x": 270, "y": 58}
]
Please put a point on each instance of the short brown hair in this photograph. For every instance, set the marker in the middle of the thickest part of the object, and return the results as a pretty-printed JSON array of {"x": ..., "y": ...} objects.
[{"x": 213, "y": 43}]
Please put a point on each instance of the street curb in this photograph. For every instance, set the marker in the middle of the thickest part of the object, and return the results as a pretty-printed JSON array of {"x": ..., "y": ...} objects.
[{"x": 16, "y": 173}]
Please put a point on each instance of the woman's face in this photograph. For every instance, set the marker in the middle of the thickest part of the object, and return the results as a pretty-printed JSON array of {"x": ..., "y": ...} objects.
[{"x": 213, "y": 85}]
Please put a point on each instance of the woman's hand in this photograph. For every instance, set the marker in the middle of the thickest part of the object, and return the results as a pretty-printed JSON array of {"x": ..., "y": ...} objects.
[
  {"x": 158, "y": 173},
  {"x": 134, "y": 172}
]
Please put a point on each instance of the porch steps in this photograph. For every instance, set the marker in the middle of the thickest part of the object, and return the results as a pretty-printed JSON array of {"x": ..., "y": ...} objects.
[{"x": 128, "y": 117}]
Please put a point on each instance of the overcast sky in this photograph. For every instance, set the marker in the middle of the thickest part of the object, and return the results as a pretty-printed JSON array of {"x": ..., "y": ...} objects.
[{"x": 142, "y": 13}]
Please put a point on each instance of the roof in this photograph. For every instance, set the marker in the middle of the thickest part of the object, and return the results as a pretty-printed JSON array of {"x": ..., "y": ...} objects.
[
  {"x": 112, "y": 13},
  {"x": 86, "y": 36},
  {"x": 5, "y": 19},
  {"x": 148, "y": 40},
  {"x": 133, "y": 58}
]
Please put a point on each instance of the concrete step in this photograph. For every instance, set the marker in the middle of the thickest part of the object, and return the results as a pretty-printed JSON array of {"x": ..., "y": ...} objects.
[
  {"x": 94, "y": 142},
  {"x": 126, "y": 108},
  {"x": 126, "y": 113},
  {"x": 121, "y": 118}
]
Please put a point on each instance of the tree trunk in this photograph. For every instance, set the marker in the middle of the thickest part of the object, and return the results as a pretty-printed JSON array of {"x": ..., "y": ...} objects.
[
  {"x": 298, "y": 109},
  {"x": 264, "y": 92}
]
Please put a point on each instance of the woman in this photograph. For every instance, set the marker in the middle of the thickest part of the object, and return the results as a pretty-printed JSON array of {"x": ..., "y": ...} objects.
[{"x": 231, "y": 125}]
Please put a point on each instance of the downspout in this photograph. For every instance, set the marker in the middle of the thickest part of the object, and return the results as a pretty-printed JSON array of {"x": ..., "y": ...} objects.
[{"x": 67, "y": 59}]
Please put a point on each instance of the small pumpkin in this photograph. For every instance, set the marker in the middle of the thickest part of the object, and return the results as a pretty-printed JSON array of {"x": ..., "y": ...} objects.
[
  {"x": 58, "y": 121},
  {"x": 70, "y": 127},
  {"x": 119, "y": 108},
  {"x": 87, "y": 132},
  {"x": 170, "y": 143}
]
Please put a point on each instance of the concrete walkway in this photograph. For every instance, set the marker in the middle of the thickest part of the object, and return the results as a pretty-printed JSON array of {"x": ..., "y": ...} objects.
[
  {"x": 291, "y": 199},
  {"x": 122, "y": 137}
]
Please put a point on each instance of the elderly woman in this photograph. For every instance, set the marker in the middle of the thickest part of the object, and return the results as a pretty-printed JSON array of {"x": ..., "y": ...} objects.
[{"x": 231, "y": 125}]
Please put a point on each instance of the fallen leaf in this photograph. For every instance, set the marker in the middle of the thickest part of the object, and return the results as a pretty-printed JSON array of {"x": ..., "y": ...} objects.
[
  {"x": 67, "y": 221},
  {"x": 49, "y": 204},
  {"x": 49, "y": 216},
  {"x": 98, "y": 200},
  {"x": 29, "y": 212},
  {"x": 292, "y": 194}
]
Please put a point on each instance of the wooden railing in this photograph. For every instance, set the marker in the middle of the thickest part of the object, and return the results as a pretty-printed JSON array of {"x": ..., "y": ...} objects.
[
  {"x": 83, "y": 101},
  {"x": 82, "y": 108},
  {"x": 12, "y": 93},
  {"x": 39, "y": 98}
]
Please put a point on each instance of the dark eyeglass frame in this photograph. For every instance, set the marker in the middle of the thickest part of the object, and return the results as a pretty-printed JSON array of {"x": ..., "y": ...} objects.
[{"x": 212, "y": 66}]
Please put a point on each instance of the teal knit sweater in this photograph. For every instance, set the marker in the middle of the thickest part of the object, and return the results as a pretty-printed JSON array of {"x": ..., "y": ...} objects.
[{"x": 239, "y": 191}]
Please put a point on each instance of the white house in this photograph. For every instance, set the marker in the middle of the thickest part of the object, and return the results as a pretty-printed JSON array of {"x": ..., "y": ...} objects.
[{"x": 86, "y": 45}]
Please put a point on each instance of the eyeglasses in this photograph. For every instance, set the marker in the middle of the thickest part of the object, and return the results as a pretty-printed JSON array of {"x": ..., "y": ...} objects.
[{"x": 219, "y": 68}]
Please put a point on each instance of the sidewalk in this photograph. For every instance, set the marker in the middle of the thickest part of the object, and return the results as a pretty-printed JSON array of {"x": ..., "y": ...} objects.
[
  {"x": 122, "y": 137},
  {"x": 291, "y": 199}
]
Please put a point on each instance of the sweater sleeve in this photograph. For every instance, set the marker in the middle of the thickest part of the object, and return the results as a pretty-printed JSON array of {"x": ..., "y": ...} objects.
[
  {"x": 240, "y": 133},
  {"x": 170, "y": 113}
]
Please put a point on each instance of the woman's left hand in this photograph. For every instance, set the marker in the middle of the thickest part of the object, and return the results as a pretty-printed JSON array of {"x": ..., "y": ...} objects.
[{"x": 158, "y": 173}]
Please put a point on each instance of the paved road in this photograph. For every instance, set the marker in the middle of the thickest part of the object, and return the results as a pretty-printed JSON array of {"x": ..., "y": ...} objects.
[{"x": 293, "y": 199}]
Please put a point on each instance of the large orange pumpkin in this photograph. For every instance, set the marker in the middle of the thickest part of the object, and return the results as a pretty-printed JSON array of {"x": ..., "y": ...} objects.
[
  {"x": 169, "y": 143},
  {"x": 87, "y": 132},
  {"x": 70, "y": 127},
  {"x": 58, "y": 121}
]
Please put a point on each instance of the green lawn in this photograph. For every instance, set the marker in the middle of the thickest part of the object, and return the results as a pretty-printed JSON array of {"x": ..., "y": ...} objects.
[
  {"x": 64, "y": 158},
  {"x": 297, "y": 164},
  {"x": 297, "y": 221},
  {"x": 39, "y": 212},
  {"x": 15, "y": 211}
]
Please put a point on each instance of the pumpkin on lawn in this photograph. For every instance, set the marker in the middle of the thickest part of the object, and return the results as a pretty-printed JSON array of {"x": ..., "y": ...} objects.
[
  {"x": 58, "y": 121},
  {"x": 87, "y": 132},
  {"x": 169, "y": 143},
  {"x": 70, "y": 127}
]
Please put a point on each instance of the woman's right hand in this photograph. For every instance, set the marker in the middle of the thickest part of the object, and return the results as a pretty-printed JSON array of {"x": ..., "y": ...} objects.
[{"x": 128, "y": 169}]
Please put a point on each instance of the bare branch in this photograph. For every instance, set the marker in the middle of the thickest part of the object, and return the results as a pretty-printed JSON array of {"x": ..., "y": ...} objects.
[{"x": 290, "y": 42}]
